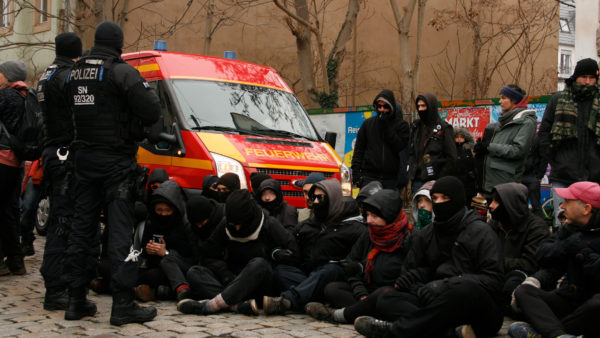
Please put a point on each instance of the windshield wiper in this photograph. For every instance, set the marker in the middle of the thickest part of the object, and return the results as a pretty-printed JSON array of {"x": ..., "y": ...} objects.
[
  {"x": 226, "y": 129},
  {"x": 283, "y": 133}
]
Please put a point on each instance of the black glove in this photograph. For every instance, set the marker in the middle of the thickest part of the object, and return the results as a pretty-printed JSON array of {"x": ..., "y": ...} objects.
[
  {"x": 403, "y": 283},
  {"x": 574, "y": 244},
  {"x": 430, "y": 291},
  {"x": 356, "y": 178},
  {"x": 351, "y": 268},
  {"x": 480, "y": 148},
  {"x": 284, "y": 256}
]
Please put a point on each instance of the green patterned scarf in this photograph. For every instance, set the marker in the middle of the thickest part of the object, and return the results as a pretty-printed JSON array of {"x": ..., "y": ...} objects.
[{"x": 565, "y": 117}]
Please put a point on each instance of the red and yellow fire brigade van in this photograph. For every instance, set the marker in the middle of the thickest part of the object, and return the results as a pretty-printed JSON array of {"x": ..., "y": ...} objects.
[{"x": 223, "y": 115}]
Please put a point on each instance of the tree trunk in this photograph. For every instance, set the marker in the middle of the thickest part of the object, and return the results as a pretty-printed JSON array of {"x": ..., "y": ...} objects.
[
  {"x": 304, "y": 52},
  {"x": 403, "y": 26},
  {"x": 208, "y": 30}
]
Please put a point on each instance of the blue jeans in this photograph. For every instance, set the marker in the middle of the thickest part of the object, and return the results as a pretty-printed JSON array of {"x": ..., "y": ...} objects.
[
  {"x": 300, "y": 289},
  {"x": 31, "y": 199}
]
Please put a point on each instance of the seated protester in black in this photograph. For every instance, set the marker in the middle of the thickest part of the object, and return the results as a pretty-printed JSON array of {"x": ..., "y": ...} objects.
[
  {"x": 169, "y": 244},
  {"x": 571, "y": 256},
  {"x": 225, "y": 185},
  {"x": 520, "y": 233},
  {"x": 452, "y": 278},
  {"x": 270, "y": 197},
  {"x": 381, "y": 252},
  {"x": 365, "y": 192},
  {"x": 256, "y": 179},
  {"x": 204, "y": 215},
  {"x": 209, "y": 187},
  {"x": 326, "y": 236},
  {"x": 238, "y": 258}
]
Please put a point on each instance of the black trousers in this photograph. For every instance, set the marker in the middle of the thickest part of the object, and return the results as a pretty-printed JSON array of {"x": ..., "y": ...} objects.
[
  {"x": 102, "y": 181},
  {"x": 254, "y": 281},
  {"x": 175, "y": 267},
  {"x": 533, "y": 193},
  {"x": 58, "y": 180},
  {"x": 464, "y": 302},
  {"x": 553, "y": 315},
  {"x": 10, "y": 187},
  {"x": 339, "y": 295},
  {"x": 300, "y": 288}
]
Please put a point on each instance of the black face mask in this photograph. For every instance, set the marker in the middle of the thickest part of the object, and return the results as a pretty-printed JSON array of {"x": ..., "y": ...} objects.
[
  {"x": 222, "y": 196},
  {"x": 165, "y": 222},
  {"x": 212, "y": 194},
  {"x": 321, "y": 210},
  {"x": 444, "y": 211},
  {"x": 501, "y": 215},
  {"x": 270, "y": 206}
]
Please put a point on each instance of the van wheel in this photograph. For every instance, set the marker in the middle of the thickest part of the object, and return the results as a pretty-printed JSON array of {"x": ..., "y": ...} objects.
[{"x": 41, "y": 219}]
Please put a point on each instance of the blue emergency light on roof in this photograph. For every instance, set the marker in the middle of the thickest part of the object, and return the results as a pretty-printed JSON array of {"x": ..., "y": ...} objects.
[
  {"x": 160, "y": 45},
  {"x": 229, "y": 54}
]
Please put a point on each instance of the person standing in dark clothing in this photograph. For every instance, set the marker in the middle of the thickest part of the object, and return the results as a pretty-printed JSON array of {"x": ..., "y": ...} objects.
[
  {"x": 535, "y": 169},
  {"x": 237, "y": 259},
  {"x": 379, "y": 142},
  {"x": 452, "y": 279},
  {"x": 324, "y": 239},
  {"x": 465, "y": 162},
  {"x": 572, "y": 257},
  {"x": 432, "y": 152},
  {"x": 270, "y": 197},
  {"x": 520, "y": 233},
  {"x": 373, "y": 264},
  {"x": 12, "y": 106},
  {"x": 111, "y": 104},
  {"x": 58, "y": 134}
]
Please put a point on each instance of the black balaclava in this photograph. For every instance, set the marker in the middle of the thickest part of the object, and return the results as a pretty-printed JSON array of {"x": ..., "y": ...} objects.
[
  {"x": 232, "y": 182},
  {"x": 109, "y": 34},
  {"x": 273, "y": 185},
  {"x": 500, "y": 214},
  {"x": 430, "y": 116},
  {"x": 256, "y": 179},
  {"x": 242, "y": 209},
  {"x": 321, "y": 209},
  {"x": 207, "y": 182},
  {"x": 68, "y": 44},
  {"x": 158, "y": 175},
  {"x": 199, "y": 209},
  {"x": 453, "y": 188},
  {"x": 163, "y": 223}
]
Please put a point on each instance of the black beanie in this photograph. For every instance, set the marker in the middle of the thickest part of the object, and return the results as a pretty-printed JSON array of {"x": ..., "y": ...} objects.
[
  {"x": 256, "y": 179},
  {"x": 109, "y": 34},
  {"x": 451, "y": 187},
  {"x": 584, "y": 67},
  {"x": 198, "y": 209},
  {"x": 231, "y": 181},
  {"x": 242, "y": 209},
  {"x": 158, "y": 175},
  {"x": 68, "y": 44}
]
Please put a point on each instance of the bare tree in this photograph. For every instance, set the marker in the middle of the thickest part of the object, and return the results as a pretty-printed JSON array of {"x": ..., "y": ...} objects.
[
  {"x": 304, "y": 21},
  {"x": 506, "y": 40}
]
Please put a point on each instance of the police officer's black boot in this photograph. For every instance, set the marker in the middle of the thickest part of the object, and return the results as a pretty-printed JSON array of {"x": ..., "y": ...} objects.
[
  {"x": 56, "y": 299},
  {"x": 125, "y": 310},
  {"x": 79, "y": 306}
]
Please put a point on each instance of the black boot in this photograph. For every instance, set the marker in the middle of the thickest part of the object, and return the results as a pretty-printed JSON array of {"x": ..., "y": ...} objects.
[
  {"x": 125, "y": 310},
  {"x": 56, "y": 299},
  {"x": 79, "y": 306}
]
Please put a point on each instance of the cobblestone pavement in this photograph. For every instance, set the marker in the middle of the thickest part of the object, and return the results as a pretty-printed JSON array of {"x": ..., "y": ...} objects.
[{"x": 22, "y": 315}]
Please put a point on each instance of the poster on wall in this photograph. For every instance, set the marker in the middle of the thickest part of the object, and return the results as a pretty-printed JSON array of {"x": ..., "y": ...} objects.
[
  {"x": 353, "y": 122},
  {"x": 473, "y": 118}
]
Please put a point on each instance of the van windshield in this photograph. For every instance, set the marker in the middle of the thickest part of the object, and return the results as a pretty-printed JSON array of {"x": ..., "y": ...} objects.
[{"x": 235, "y": 107}]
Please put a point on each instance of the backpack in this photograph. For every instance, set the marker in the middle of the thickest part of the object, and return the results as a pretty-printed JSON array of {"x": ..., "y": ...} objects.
[{"x": 27, "y": 141}]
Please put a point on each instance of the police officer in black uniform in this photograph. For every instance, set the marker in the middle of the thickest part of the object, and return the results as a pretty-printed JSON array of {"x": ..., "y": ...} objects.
[
  {"x": 111, "y": 104},
  {"x": 58, "y": 133}
]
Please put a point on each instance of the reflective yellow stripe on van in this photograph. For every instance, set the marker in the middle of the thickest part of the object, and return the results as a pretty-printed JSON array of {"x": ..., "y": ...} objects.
[
  {"x": 218, "y": 143},
  {"x": 146, "y": 157},
  {"x": 148, "y": 68},
  {"x": 293, "y": 167}
]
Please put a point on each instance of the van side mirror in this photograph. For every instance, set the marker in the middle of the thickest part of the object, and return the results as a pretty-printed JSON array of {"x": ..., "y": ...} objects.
[{"x": 331, "y": 137}]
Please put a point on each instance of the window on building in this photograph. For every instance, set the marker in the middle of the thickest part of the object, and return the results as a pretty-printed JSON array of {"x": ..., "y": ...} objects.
[
  {"x": 565, "y": 62},
  {"x": 41, "y": 16},
  {"x": 564, "y": 26},
  {"x": 5, "y": 13}
]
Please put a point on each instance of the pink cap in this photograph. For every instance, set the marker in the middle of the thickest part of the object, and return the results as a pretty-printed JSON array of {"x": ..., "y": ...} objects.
[{"x": 587, "y": 192}]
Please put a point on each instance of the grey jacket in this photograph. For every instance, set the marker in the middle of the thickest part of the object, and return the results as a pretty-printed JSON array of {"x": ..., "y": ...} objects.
[{"x": 508, "y": 149}]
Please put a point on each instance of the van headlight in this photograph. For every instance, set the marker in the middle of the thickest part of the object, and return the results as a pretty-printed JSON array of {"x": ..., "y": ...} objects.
[
  {"x": 226, "y": 164},
  {"x": 346, "y": 180}
]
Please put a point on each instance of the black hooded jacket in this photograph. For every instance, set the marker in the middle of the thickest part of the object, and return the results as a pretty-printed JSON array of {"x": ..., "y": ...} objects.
[
  {"x": 379, "y": 141},
  {"x": 323, "y": 240},
  {"x": 178, "y": 234},
  {"x": 522, "y": 234},
  {"x": 286, "y": 214},
  {"x": 216, "y": 216},
  {"x": 387, "y": 265},
  {"x": 437, "y": 148},
  {"x": 575, "y": 254},
  {"x": 469, "y": 249}
]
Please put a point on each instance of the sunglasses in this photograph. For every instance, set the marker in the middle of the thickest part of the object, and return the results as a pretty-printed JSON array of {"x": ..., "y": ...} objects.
[
  {"x": 321, "y": 198},
  {"x": 153, "y": 186},
  {"x": 384, "y": 106}
]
